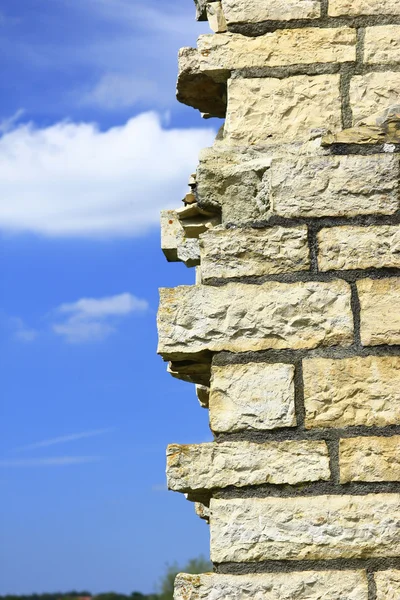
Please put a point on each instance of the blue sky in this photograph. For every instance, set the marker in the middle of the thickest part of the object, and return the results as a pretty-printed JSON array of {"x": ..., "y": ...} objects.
[{"x": 92, "y": 146}]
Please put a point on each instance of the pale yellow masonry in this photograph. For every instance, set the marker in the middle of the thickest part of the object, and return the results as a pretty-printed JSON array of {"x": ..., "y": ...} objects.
[{"x": 290, "y": 335}]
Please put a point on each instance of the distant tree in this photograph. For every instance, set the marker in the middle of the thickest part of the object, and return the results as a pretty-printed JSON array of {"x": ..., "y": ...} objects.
[{"x": 194, "y": 566}]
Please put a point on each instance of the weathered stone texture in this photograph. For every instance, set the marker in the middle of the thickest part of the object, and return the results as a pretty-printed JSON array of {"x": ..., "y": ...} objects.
[
  {"x": 380, "y": 311},
  {"x": 382, "y": 44},
  {"x": 387, "y": 585},
  {"x": 309, "y": 585},
  {"x": 215, "y": 16},
  {"x": 241, "y": 317},
  {"x": 363, "y": 7},
  {"x": 352, "y": 391},
  {"x": 335, "y": 186},
  {"x": 246, "y": 252},
  {"x": 174, "y": 244},
  {"x": 211, "y": 465},
  {"x": 265, "y": 111},
  {"x": 281, "y": 48},
  {"x": 370, "y": 459},
  {"x": 305, "y": 528},
  {"x": 255, "y": 11},
  {"x": 373, "y": 92},
  {"x": 359, "y": 247},
  {"x": 252, "y": 396}
]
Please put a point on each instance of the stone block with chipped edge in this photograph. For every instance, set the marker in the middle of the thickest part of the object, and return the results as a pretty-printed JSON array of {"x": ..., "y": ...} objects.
[
  {"x": 202, "y": 511},
  {"x": 174, "y": 244},
  {"x": 369, "y": 459},
  {"x": 359, "y": 247},
  {"x": 305, "y": 528},
  {"x": 203, "y": 395},
  {"x": 252, "y": 396},
  {"x": 305, "y": 585},
  {"x": 380, "y": 311},
  {"x": 203, "y": 467},
  {"x": 335, "y": 186},
  {"x": 387, "y": 584},
  {"x": 357, "y": 8},
  {"x": 358, "y": 391},
  {"x": 382, "y": 44},
  {"x": 284, "y": 47},
  {"x": 253, "y": 252},
  {"x": 240, "y": 317},
  {"x": 215, "y": 16},
  {"x": 256, "y": 11},
  {"x": 373, "y": 92},
  {"x": 270, "y": 110}
]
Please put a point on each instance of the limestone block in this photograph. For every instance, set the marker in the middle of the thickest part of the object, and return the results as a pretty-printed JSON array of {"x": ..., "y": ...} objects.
[
  {"x": 373, "y": 92},
  {"x": 174, "y": 244},
  {"x": 380, "y": 311},
  {"x": 241, "y": 317},
  {"x": 255, "y": 11},
  {"x": 246, "y": 252},
  {"x": 203, "y": 395},
  {"x": 305, "y": 528},
  {"x": 387, "y": 585},
  {"x": 335, "y": 186},
  {"x": 382, "y": 44},
  {"x": 216, "y": 17},
  {"x": 269, "y": 110},
  {"x": 208, "y": 466},
  {"x": 370, "y": 459},
  {"x": 306, "y": 585},
  {"x": 234, "y": 181},
  {"x": 283, "y": 47},
  {"x": 359, "y": 247},
  {"x": 352, "y": 392},
  {"x": 355, "y": 8},
  {"x": 202, "y": 511},
  {"x": 252, "y": 396}
]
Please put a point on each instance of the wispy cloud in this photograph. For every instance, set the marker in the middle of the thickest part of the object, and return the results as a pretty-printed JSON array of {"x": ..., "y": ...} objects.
[
  {"x": 94, "y": 319},
  {"x": 74, "y": 180},
  {"x": 21, "y": 332},
  {"x": 63, "y": 439},
  {"x": 58, "y": 461}
]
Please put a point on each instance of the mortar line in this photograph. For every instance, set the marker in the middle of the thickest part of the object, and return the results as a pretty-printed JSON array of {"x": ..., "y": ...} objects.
[{"x": 371, "y": 584}]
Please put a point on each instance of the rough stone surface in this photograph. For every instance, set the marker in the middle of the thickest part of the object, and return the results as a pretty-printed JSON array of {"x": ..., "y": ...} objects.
[
  {"x": 174, "y": 244},
  {"x": 273, "y": 110},
  {"x": 281, "y": 48},
  {"x": 382, "y": 44},
  {"x": 387, "y": 585},
  {"x": 380, "y": 311},
  {"x": 254, "y": 11},
  {"x": 370, "y": 459},
  {"x": 305, "y": 528},
  {"x": 373, "y": 92},
  {"x": 359, "y": 247},
  {"x": 354, "y": 8},
  {"x": 335, "y": 186},
  {"x": 252, "y": 396},
  {"x": 216, "y": 17},
  {"x": 246, "y": 252},
  {"x": 241, "y": 317},
  {"x": 203, "y": 395},
  {"x": 353, "y": 391},
  {"x": 308, "y": 585},
  {"x": 211, "y": 465}
]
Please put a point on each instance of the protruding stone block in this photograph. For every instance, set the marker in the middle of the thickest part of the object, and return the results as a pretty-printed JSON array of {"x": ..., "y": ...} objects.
[
  {"x": 271, "y": 111},
  {"x": 203, "y": 467},
  {"x": 253, "y": 252},
  {"x": 252, "y": 396},
  {"x": 370, "y": 459},
  {"x": 373, "y": 92},
  {"x": 337, "y": 186},
  {"x": 380, "y": 311},
  {"x": 216, "y": 17},
  {"x": 358, "y": 8},
  {"x": 306, "y": 585},
  {"x": 240, "y": 317},
  {"x": 387, "y": 585},
  {"x": 174, "y": 244},
  {"x": 359, "y": 247},
  {"x": 352, "y": 392},
  {"x": 255, "y": 11},
  {"x": 305, "y": 528}
]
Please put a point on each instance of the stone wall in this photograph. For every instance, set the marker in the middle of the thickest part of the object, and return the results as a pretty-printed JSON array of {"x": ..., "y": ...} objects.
[{"x": 291, "y": 333}]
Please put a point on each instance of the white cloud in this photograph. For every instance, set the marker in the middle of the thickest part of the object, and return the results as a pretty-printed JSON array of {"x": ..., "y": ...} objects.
[
  {"x": 21, "y": 332},
  {"x": 58, "y": 461},
  {"x": 116, "y": 90},
  {"x": 63, "y": 439},
  {"x": 93, "y": 319},
  {"x": 72, "y": 179}
]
